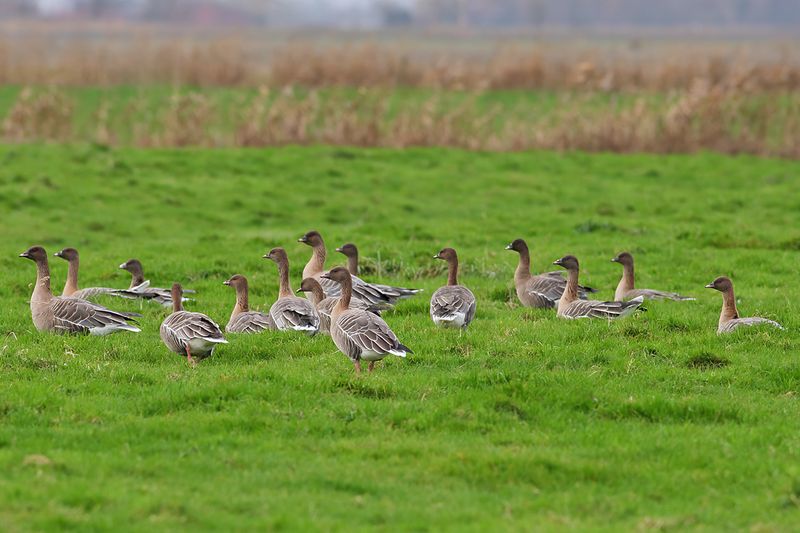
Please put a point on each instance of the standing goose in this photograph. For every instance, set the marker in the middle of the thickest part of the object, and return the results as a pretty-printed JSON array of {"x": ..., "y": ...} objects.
[
  {"x": 71, "y": 287},
  {"x": 140, "y": 287},
  {"x": 243, "y": 320},
  {"x": 569, "y": 306},
  {"x": 543, "y": 290},
  {"x": 325, "y": 305},
  {"x": 360, "y": 335},
  {"x": 452, "y": 305},
  {"x": 193, "y": 335},
  {"x": 729, "y": 317},
  {"x": 290, "y": 312},
  {"x": 626, "y": 291},
  {"x": 65, "y": 314},
  {"x": 369, "y": 292}
]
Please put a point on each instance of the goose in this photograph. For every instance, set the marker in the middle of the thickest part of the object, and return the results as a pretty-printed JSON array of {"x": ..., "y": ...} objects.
[
  {"x": 71, "y": 287},
  {"x": 140, "y": 287},
  {"x": 452, "y": 305},
  {"x": 325, "y": 305},
  {"x": 193, "y": 335},
  {"x": 59, "y": 314},
  {"x": 358, "y": 334},
  {"x": 542, "y": 290},
  {"x": 569, "y": 306},
  {"x": 290, "y": 312},
  {"x": 243, "y": 320},
  {"x": 626, "y": 291},
  {"x": 729, "y": 317},
  {"x": 350, "y": 251},
  {"x": 369, "y": 292}
]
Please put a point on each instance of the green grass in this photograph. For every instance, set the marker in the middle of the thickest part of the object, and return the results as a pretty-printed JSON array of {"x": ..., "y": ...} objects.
[{"x": 523, "y": 422}]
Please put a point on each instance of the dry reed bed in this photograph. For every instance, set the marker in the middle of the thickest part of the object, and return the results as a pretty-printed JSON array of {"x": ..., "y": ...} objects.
[
  {"x": 229, "y": 61},
  {"x": 705, "y": 117}
]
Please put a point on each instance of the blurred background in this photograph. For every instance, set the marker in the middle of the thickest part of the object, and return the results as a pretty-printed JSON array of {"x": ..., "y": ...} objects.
[{"x": 609, "y": 75}]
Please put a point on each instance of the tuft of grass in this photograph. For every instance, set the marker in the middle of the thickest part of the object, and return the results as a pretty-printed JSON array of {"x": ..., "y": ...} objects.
[{"x": 707, "y": 360}]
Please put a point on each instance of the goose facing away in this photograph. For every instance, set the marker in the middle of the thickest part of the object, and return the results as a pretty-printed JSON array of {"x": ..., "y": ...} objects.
[
  {"x": 452, "y": 305},
  {"x": 570, "y": 306},
  {"x": 542, "y": 290},
  {"x": 369, "y": 292},
  {"x": 358, "y": 334},
  {"x": 66, "y": 314},
  {"x": 140, "y": 287},
  {"x": 290, "y": 312},
  {"x": 325, "y": 305},
  {"x": 626, "y": 291},
  {"x": 729, "y": 318},
  {"x": 71, "y": 286},
  {"x": 193, "y": 335},
  {"x": 243, "y": 320}
]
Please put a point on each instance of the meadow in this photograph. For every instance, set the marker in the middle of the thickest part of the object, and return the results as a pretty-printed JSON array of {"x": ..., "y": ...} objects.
[{"x": 522, "y": 422}]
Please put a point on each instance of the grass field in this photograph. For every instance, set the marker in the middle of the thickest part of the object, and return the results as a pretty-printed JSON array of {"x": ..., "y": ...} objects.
[{"x": 523, "y": 422}]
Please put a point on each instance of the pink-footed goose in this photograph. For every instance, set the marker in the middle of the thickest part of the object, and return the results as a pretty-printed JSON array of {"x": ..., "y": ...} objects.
[
  {"x": 542, "y": 290},
  {"x": 325, "y": 305},
  {"x": 140, "y": 287},
  {"x": 626, "y": 291},
  {"x": 452, "y": 305},
  {"x": 729, "y": 318},
  {"x": 290, "y": 312},
  {"x": 360, "y": 335},
  {"x": 369, "y": 292},
  {"x": 193, "y": 335},
  {"x": 570, "y": 306},
  {"x": 243, "y": 320},
  {"x": 65, "y": 314},
  {"x": 350, "y": 251},
  {"x": 71, "y": 287}
]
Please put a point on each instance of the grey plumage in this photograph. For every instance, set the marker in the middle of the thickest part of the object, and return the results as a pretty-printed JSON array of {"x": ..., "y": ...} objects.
[
  {"x": 452, "y": 305},
  {"x": 598, "y": 309},
  {"x": 729, "y": 319},
  {"x": 625, "y": 288},
  {"x": 291, "y": 312},
  {"x": 250, "y": 322},
  {"x": 190, "y": 334}
]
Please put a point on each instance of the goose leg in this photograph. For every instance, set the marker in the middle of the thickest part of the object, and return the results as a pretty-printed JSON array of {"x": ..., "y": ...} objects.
[
  {"x": 371, "y": 366},
  {"x": 357, "y": 364},
  {"x": 189, "y": 356}
]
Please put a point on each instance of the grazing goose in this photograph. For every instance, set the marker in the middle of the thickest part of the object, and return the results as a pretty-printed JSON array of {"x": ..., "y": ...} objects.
[
  {"x": 71, "y": 287},
  {"x": 350, "y": 251},
  {"x": 452, "y": 305},
  {"x": 140, "y": 287},
  {"x": 290, "y": 312},
  {"x": 325, "y": 305},
  {"x": 243, "y": 320},
  {"x": 191, "y": 334},
  {"x": 66, "y": 314},
  {"x": 369, "y": 292},
  {"x": 626, "y": 291},
  {"x": 729, "y": 317},
  {"x": 542, "y": 290},
  {"x": 358, "y": 334},
  {"x": 569, "y": 306}
]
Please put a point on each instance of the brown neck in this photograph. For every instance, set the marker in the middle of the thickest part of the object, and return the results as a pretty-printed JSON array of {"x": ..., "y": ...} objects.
[
  {"x": 452, "y": 271},
  {"x": 729, "y": 311},
  {"x": 71, "y": 287},
  {"x": 315, "y": 265},
  {"x": 285, "y": 289},
  {"x": 42, "y": 292},
  {"x": 523, "y": 272},
  {"x": 626, "y": 283},
  {"x": 352, "y": 264},
  {"x": 137, "y": 277},
  {"x": 316, "y": 294},
  {"x": 242, "y": 303},
  {"x": 571, "y": 290},
  {"x": 177, "y": 301},
  {"x": 347, "y": 293}
]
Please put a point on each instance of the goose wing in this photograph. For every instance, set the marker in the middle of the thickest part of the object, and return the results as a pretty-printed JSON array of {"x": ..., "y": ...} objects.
[
  {"x": 452, "y": 300},
  {"x": 250, "y": 322},
  {"x": 73, "y": 315},
  {"x": 748, "y": 321},
  {"x": 365, "y": 332},
  {"x": 598, "y": 309},
  {"x": 652, "y": 294},
  {"x": 294, "y": 313},
  {"x": 185, "y": 326}
]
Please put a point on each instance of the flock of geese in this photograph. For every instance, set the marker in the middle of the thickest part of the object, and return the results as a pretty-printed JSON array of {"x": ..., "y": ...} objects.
[{"x": 337, "y": 302}]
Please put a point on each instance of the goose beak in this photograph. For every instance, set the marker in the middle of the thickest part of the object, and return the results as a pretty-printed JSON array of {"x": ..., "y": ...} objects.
[
  {"x": 326, "y": 276},
  {"x": 122, "y": 266},
  {"x": 298, "y": 291},
  {"x": 303, "y": 239},
  {"x": 710, "y": 286},
  {"x": 339, "y": 249},
  {"x": 508, "y": 247},
  {"x": 265, "y": 256},
  {"x": 227, "y": 282},
  {"x": 615, "y": 260},
  {"x": 557, "y": 262},
  {"x": 436, "y": 256},
  {"x": 57, "y": 254},
  {"x": 26, "y": 255}
]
